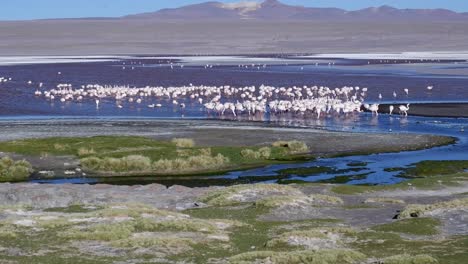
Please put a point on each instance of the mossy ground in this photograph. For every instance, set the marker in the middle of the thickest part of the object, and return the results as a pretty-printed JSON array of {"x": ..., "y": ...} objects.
[
  {"x": 126, "y": 155},
  {"x": 430, "y": 181},
  {"x": 230, "y": 229},
  {"x": 414, "y": 226}
]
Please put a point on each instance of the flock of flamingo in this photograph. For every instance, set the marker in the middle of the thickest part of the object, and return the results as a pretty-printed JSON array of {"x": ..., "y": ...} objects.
[
  {"x": 4, "y": 79},
  {"x": 315, "y": 101}
]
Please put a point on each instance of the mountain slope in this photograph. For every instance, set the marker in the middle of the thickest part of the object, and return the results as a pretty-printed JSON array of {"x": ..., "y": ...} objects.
[{"x": 275, "y": 10}]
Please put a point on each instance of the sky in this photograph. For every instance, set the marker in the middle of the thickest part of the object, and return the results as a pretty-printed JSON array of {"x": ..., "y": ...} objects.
[{"x": 40, "y": 9}]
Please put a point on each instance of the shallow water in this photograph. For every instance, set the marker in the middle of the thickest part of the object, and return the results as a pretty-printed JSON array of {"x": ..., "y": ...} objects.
[
  {"x": 372, "y": 173},
  {"x": 449, "y": 78},
  {"x": 18, "y": 98}
]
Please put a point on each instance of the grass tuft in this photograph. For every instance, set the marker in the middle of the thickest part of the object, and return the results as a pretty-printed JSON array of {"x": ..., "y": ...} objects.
[
  {"x": 191, "y": 164},
  {"x": 132, "y": 163},
  {"x": 263, "y": 153},
  {"x": 11, "y": 170},
  {"x": 86, "y": 152},
  {"x": 183, "y": 142},
  {"x": 293, "y": 146},
  {"x": 246, "y": 193}
]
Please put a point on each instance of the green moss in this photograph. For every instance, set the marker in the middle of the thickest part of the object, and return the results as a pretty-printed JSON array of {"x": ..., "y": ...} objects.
[
  {"x": 394, "y": 169},
  {"x": 429, "y": 182},
  {"x": 306, "y": 171},
  {"x": 313, "y": 257},
  {"x": 357, "y": 164},
  {"x": 408, "y": 259},
  {"x": 435, "y": 168},
  {"x": 77, "y": 208},
  {"x": 415, "y": 226}
]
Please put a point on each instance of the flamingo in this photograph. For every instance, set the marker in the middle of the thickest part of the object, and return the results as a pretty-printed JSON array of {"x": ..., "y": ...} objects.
[
  {"x": 404, "y": 109},
  {"x": 251, "y": 100},
  {"x": 374, "y": 108}
]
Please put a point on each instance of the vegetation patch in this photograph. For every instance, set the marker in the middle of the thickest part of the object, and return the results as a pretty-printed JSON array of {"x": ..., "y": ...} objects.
[
  {"x": 108, "y": 156},
  {"x": 394, "y": 169},
  {"x": 316, "y": 238},
  {"x": 413, "y": 226},
  {"x": 166, "y": 245},
  {"x": 435, "y": 168},
  {"x": 246, "y": 193},
  {"x": 298, "y": 200},
  {"x": 408, "y": 259},
  {"x": 262, "y": 153},
  {"x": 297, "y": 257},
  {"x": 293, "y": 146},
  {"x": 418, "y": 210},
  {"x": 306, "y": 171},
  {"x": 86, "y": 152},
  {"x": 132, "y": 163},
  {"x": 11, "y": 170},
  {"x": 191, "y": 164},
  {"x": 357, "y": 164},
  {"x": 384, "y": 200},
  {"x": 183, "y": 142}
]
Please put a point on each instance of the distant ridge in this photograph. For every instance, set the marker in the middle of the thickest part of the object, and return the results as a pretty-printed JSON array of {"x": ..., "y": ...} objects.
[{"x": 275, "y": 10}]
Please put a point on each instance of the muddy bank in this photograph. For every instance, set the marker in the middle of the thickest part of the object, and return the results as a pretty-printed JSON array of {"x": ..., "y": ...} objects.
[
  {"x": 224, "y": 133},
  {"x": 458, "y": 110}
]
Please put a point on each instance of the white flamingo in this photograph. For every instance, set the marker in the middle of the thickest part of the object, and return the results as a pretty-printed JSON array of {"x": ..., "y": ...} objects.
[
  {"x": 404, "y": 109},
  {"x": 374, "y": 108}
]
